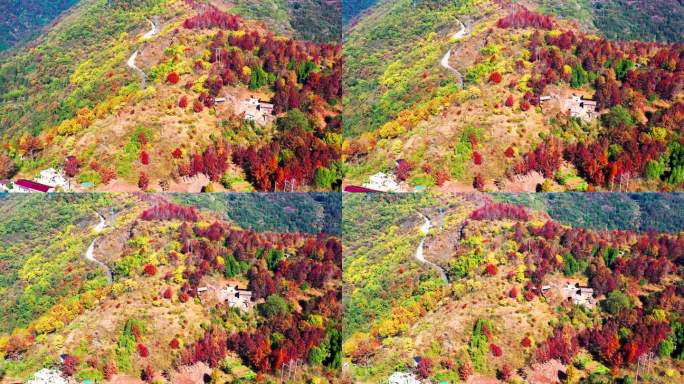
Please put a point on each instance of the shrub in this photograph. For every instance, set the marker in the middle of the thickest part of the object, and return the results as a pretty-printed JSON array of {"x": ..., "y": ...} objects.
[
  {"x": 142, "y": 350},
  {"x": 478, "y": 182},
  {"x": 477, "y": 158},
  {"x": 7, "y": 167},
  {"x": 513, "y": 293},
  {"x": 144, "y": 158},
  {"x": 183, "y": 102},
  {"x": 177, "y": 153},
  {"x": 172, "y": 78},
  {"x": 424, "y": 368},
  {"x": 143, "y": 181},
  {"x": 168, "y": 293},
  {"x": 504, "y": 373},
  {"x": 525, "y": 106},
  {"x": 465, "y": 370},
  {"x": 509, "y": 101},
  {"x": 526, "y": 342},
  {"x": 495, "y": 349},
  {"x": 403, "y": 169},
  {"x": 150, "y": 270},
  {"x": 109, "y": 370},
  {"x": 490, "y": 269},
  {"x": 183, "y": 297},
  {"x": 197, "y": 106},
  {"x": 174, "y": 344},
  {"x": 495, "y": 78},
  {"x": 509, "y": 152},
  {"x": 70, "y": 364}
]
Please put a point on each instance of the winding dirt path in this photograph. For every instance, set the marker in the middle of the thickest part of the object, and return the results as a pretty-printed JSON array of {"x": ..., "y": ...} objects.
[
  {"x": 131, "y": 60},
  {"x": 424, "y": 229},
  {"x": 447, "y": 57},
  {"x": 91, "y": 248}
]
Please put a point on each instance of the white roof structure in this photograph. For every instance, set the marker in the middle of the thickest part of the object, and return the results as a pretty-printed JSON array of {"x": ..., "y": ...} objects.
[
  {"x": 48, "y": 376},
  {"x": 383, "y": 182},
  {"x": 54, "y": 178},
  {"x": 403, "y": 378},
  {"x": 579, "y": 295}
]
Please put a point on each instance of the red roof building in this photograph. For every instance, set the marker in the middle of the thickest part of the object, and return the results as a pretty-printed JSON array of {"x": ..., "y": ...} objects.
[
  {"x": 32, "y": 186},
  {"x": 357, "y": 189}
]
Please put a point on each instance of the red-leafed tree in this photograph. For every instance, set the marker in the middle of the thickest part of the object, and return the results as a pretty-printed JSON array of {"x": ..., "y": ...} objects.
[
  {"x": 150, "y": 270},
  {"x": 142, "y": 350},
  {"x": 172, "y": 78},
  {"x": 183, "y": 101},
  {"x": 143, "y": 181},
  {"x": 498, "y": 211},
  {"x": 69, "y": 365},
  {"x": 477, "y": 158},
  {"x": 424, "y": 368},
  {"x": 403, "y": 169},
  {"x": 495, "y": 77},
  {"x": 478, "y": 182},
  {"x": 524, "y": 18},
  {"x": 177, "y": 153},
  {"x": 144, "y": 157},
  {"x": 71, "y": 166}
]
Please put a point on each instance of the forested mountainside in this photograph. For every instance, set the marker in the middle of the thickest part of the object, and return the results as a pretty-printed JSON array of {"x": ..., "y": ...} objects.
[
  {"x": 352, "y": 8},
  {"x": 23, "y": 19},
  {"x": 645, "y": 20},
  {"x": 117, "y": 288},
  {"x": 190, "y": 95},
  {"x": 315, "y": 20},
  {"x": 292, "y": 212},
  {"x": 465, "y": 288},
  {"x": 493, "y": 95}
]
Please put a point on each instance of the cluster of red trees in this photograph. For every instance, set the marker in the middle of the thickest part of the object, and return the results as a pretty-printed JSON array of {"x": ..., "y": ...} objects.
[
  {"x": 651, "y": 256},
  {"x": 303, "y": 75},
  {"x": 524, "y": 18},
  {"x": 562, "y": 345},
  {"x": 545, "y": 159},
  {"x": 170, "y": 211},
  {"x": 498, "y": 211},
  {"x": 267, "y": 168},
  {"x": 213, "y": 18},
  {"x": 316, "y": 261},
  {"x": 213, "y": 162},
  {"x": 604, "y": 341}
]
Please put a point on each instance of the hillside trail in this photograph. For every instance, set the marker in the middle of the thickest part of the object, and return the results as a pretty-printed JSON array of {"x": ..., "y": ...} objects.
[
  {"x": 131, "y": 60},
  {"x": 424, "y": 229},
  {"x": 91, "y": 248},
  {"x": 447, "y": 57}
]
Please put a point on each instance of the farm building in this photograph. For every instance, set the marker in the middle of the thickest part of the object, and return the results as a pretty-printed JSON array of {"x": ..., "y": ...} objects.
[
  {"x": 578, "y": 294},
  {"x": 54, "y": 177},
  {"x": 29, "y": 186},
  {"x": 403, "y": 378},
  {"x": 581, "y": 107},
  {"x": 236, "y": 297}
]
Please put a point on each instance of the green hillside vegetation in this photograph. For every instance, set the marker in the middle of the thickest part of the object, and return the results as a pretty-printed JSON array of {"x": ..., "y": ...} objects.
[
  {"x": 505, "y": 314},
  {"x": 647, "y": 20},
  {"x": 611, "y": 211},
  {"x": 390, "y": 60},
  {"x": 42, "y": 241},
  {"x": 385, "y": 288},
  {"x": 62, "y": 313},
  {"x": 37, "y": 85},
  {"x": 291, "y": 212},
  {"x": 314, "y": 20},
  {"x": 23, "y": 19}
]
